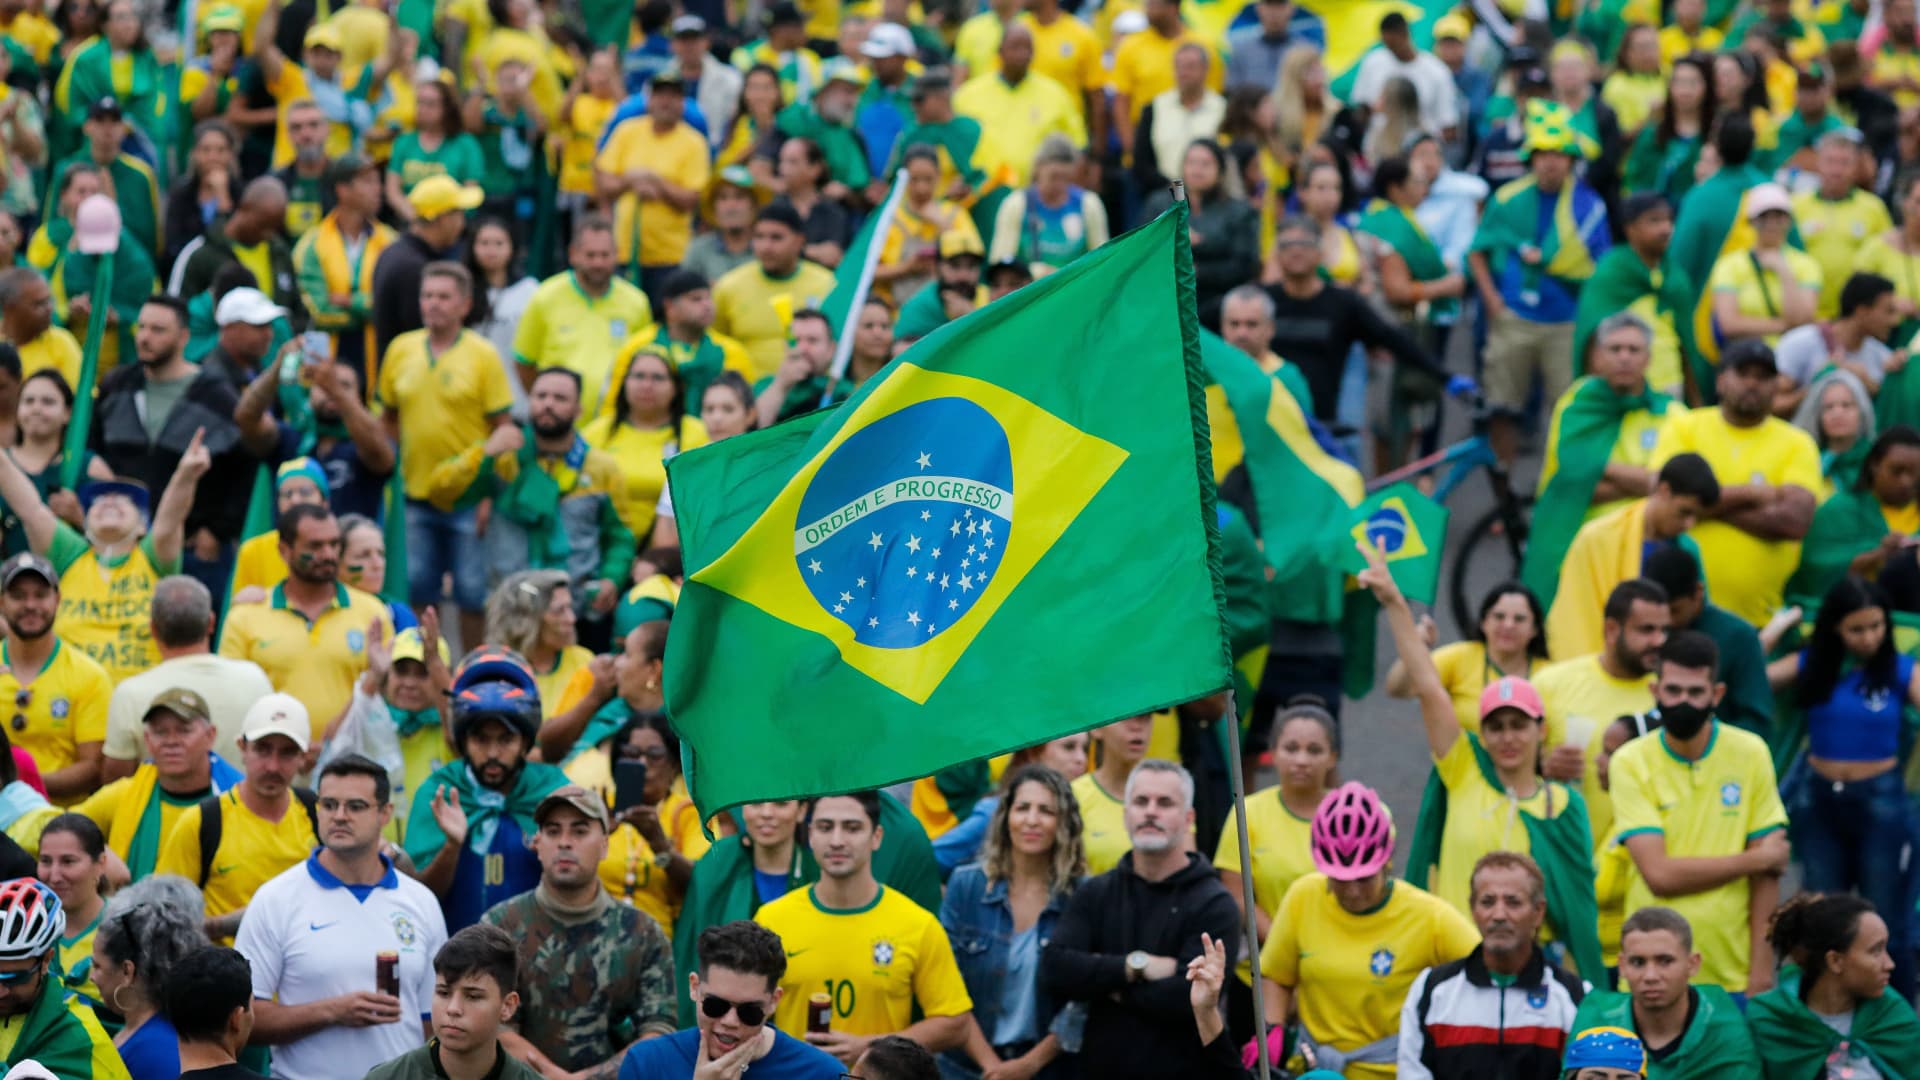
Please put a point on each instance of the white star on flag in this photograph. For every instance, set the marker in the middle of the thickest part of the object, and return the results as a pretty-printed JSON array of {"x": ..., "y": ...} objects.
[
  {"x": 912, "y": 572},
  {"x": 936, "y": 553},
  {"x": 846, "y": 598},
  {"x": 964, "y": 563},
  {"x": 872, "y": 623},
  {"x": 875, "y": 542},
  {"x": 943, "y": 582},
  {"x": 986, "y": 526},
  {"x": 913, "y": 544},
  {"x": 838, "y": 608},
  {"x": 929, "y": 629},
  {"x": 956, "y": 528},
  {"x": 860, "y": 583},
  {"x": 926, "y": 515},
  {"x": 989, "y": 544},
  {"x": 966, "y": 583},
  {"x": 970, "y": 527},
  {"x": 971, "y": 550},
  {"x": 923, "y": 460},
  {"x": 953, "y": 605},
  {"x": 913, "y": 617},
  {"x": 814, "y": 566}
]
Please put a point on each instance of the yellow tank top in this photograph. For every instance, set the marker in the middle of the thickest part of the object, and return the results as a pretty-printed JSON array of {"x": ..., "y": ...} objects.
[{"x": 104, "y": 611}]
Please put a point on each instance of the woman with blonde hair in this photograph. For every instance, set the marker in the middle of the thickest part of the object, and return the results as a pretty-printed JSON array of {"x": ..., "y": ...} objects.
[
  {"x": 1396, "y": 118},
  {"x": 999, "y": 911},
  {"x": 532, "y": 613},
  {"x": 1297, "y": 111}
]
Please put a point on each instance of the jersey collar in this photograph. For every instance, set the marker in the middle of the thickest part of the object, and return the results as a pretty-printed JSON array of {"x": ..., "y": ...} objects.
[
  {"x": 7, "y": 661},
  {"x": 279, "y": 596},
  {"x": 1713, "y": 738},
  {"x": 325, "y": 879}
]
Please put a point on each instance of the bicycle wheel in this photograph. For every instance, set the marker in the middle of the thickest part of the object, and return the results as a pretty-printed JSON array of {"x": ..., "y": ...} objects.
[{"x": 1488, "y": 555}]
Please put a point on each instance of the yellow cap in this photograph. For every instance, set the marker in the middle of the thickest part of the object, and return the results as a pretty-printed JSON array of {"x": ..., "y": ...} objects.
[
  {"x": 1452, "y": 25},
  {"x": 223, "y": 17},
  {"x": 407, "y": 645},
  {"x": 325, "y": 36},
  {"x": 437, "y": 195},
  {"x": 957, "y": 242}
]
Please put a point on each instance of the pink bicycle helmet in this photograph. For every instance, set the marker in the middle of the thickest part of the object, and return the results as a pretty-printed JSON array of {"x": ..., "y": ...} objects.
[{"x": 1352, "y": 833}]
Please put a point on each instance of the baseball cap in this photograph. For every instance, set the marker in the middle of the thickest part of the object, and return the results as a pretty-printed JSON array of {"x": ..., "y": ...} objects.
[
  {"x": 841, "y": 69},
  {"x": 27, "y": 563},
  {"x": 886, "y": 40},
  {"x": 249, "y": 306},
  {"x": 591, "y": 806},
  {"x": 106, "y": 108},
  {"x": 689, "y": 26},
  {"x": 1511, "y": 692},
  {"x": 669, "y": 76},
  {"x": 733, "y": 176},
  {"x": 325, "y": 36},
  {"x": 346, "y": 167},
  {"x": 1452, "y": 25},
  {"x": 223, "y": 17},
  {"x": 1764, "y": 198},
  {"x": 96, "y": 226},
  {"x": 785, "y": 13},
  {"x": 1749, "y": 352},
  {"x": 182, "y": 702},
  {"x": 408, "y": 645},
  {"x": 133, "y": 490},
  {"x": 278, "y": 714},
  {"x": 957, "y": 243},
  {"x": 679, "y": 283},
  {"x": 437, "y": 195},
  {"x": 1607, "y": 1048}
]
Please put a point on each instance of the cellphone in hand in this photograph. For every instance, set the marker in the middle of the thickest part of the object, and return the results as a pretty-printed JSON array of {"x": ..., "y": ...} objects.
[{"x": 629, "y": 781}]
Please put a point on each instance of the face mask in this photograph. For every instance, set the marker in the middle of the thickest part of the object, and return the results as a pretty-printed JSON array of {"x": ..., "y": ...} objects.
[{"x": 1684, "y": 721}]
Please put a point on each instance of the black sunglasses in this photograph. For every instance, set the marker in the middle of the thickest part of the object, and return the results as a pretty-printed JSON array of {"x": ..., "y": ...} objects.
[{"x": 752, "y": 1013}]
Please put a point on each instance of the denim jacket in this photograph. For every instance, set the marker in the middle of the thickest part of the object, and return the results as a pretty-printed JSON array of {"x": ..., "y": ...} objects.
[{"x": 979, "y": 922}]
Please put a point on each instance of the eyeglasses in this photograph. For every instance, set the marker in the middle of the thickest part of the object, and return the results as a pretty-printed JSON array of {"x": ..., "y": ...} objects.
[
  {"x": 651, "y": 753},
  {"x": 352, "y": 806},
  {"x": 21, "y": 699},
  {"x": 751, "y": 1013}
]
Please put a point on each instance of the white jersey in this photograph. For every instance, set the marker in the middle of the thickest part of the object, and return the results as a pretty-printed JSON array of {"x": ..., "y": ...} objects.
[{"x": 308, "y": 938}]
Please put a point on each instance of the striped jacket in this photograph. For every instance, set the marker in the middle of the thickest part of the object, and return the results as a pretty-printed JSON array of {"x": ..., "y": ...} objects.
[{"x": 1458, "y": 1025}]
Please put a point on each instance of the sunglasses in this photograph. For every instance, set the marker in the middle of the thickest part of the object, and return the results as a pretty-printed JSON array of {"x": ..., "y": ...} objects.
[
  {"x": 651, "y": 753},
  {"x": 21, "y": 699},
  {"x": 751, "y": 1013},
  {"x": 11, "y": 979}
]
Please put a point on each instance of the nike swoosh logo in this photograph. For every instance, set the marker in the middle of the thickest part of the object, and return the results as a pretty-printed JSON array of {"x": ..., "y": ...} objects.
[
  {"x": 791, "y": 953},
  {"x": 231, "y": 869},
  {"x": 321, "y": 926}
]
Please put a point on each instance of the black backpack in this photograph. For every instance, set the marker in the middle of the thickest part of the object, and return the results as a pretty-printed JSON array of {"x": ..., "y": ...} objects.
[{"x": 211, "y": 826}]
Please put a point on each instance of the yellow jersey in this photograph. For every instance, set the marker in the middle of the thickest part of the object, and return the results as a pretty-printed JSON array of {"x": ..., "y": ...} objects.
[
  {"x": 571, "y": 659},
  {"x": 642, "y": 455},
  {"x": 564, "y": 327},
  {"x": 1103, "y": 818},
  {"x": 753, "y": 307},
  {"x": 1015, "y": 120},
  {"x": 1067, "y": 51},
  {"x": 64, "y": 705},
  {"x": 1481, "y": 818},
  {"x": 1350, "y": 973},
  {"x": 1833, "y": 231},
  {"x": 1581, "y": 700},
  {"x": 317, "y": 661},
  {"x": 1465, "y": 670},
  {"x": 1758, "y": 290},
  {"x": 252, "y": 850},
  {"x": 1714, "y": 806},
  {"x": 1892, "y": 64},
  {"x": 446, "y": 402},
  {"x": 1675, "y": 43},
  {"x": 54, "y": 350},
  {"x": 879, "y": 963},
  {"x": 105, "y": 604},
  {"x": 586, "y": 118},
  {"x": 1143, "y": 67},
  {"x": 1745, "y": 574},
  {"x": 1878, "y": 256},
  {"x": 258, "y": 563},
  {"x": 1282, "y": 848},
  {"x": 629, "y": 875},
  {"x": 656, "y": 233},
  {"x": 76, "y": 961}
]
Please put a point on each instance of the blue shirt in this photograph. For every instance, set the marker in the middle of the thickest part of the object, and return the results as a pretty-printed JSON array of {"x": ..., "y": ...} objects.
[
  {"x": 1018, "y": 1022},
  {"x": 1531, "y": 292},
  {"x": 152, "y": 1052},
  {"x": 674, "y": 1056},
  {"x": 769, "y": 887},
  {"x": 1859, "y": 723},
  {"x": 508, "y": 870}
]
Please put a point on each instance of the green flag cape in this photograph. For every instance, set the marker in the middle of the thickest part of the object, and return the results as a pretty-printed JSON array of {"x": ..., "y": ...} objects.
[
  {"x": 1708, "y": 214},
  {"x": 1845, "y": 525},
  {"x": 1400, "y": 230},
  {"x": 1663, "y": 170},
  {"x": 1511, "y": 220},
  {"x": 1619, "y": 281},
  {"x": 484, "y": 807},
  {"x": 88, "y": 77},
  {"x": 56, "y": 1037},
  {"x": 698, "y": 366},
  {"x": 1562, "y": 846},
  {"x": 1581, "y": 441},
  {"x": 927, "y": 571},
  {"x": 1304, "y": 499},
  {"x": 1794, "y": 1043},
  {"x": 1898, "y": 401},
  {"x": 1716, "y": 1039},
  {"x": 133, "y": 282}
]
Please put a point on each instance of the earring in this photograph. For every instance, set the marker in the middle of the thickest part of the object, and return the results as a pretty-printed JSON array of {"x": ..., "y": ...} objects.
[{"x": 653, "y": 684}]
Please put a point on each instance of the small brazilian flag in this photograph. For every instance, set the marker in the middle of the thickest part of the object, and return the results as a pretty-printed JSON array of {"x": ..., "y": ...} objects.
[
  {"x": 1408, "y": 529},
  {"x": 1006, "y": 535}
]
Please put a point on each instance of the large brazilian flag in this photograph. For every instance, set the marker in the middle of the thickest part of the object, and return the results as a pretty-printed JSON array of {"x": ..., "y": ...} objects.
[{"x": 1006, "y": 535}]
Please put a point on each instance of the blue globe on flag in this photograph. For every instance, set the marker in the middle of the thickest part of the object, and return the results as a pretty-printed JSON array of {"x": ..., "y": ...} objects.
[
  {"x": 1387, "y": 529},
  {"x": 904, "y": 525}
]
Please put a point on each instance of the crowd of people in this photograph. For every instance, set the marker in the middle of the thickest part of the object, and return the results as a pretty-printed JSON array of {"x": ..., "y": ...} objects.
[{"x": 343, "y": 345}]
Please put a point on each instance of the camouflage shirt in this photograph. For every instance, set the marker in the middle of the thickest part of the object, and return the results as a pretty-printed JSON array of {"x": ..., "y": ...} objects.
[{"x": 589, "y": 985}]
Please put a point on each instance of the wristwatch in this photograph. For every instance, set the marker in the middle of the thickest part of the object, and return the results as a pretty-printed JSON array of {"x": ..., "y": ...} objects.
[
  {"x": 1136, "y": 965},
  {"x": 663, "y": 859}
]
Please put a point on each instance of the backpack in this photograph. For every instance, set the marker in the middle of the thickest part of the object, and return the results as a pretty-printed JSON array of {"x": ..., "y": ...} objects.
[{"x": 211, "y": 826}]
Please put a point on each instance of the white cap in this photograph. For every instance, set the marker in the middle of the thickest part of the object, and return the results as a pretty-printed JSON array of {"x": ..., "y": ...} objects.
[
  {"x": 278, "y": 714},
  {"x": 1129, "y": 22},
  {"x": 250, "y": 306},
  {"x": 886, "y": 40}
]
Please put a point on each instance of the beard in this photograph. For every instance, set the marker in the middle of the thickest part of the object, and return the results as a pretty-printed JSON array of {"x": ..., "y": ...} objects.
[{"x": 552, "y": 427}]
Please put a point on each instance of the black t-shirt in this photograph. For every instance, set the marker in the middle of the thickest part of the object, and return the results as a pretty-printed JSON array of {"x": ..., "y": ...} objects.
[{"x": 222, "y": 1072}]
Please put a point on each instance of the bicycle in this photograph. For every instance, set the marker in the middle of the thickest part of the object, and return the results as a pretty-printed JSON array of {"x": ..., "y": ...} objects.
[{"x": 1498, "y": 538}]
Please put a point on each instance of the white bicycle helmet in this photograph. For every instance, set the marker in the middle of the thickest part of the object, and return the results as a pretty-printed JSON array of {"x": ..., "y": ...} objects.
[{"x": 31, "y": 920}]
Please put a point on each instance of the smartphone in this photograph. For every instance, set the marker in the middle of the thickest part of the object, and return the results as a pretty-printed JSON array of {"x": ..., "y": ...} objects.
[
  {"x": 629, "y": 780},
  {"x": 316, "y": 346}
]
